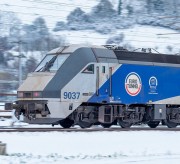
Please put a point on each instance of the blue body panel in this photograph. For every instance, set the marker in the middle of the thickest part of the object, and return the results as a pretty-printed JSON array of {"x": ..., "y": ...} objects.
[{"x": 155, "y": 83}]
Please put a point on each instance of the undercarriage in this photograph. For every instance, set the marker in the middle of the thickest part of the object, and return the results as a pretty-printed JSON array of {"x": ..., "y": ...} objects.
[
  {"x": 105, "y": 115},
  {"x": 125, "y": 116}
]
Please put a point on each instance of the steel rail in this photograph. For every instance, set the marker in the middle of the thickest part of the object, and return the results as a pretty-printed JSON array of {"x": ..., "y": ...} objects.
[{"x": 118, "y": 129}]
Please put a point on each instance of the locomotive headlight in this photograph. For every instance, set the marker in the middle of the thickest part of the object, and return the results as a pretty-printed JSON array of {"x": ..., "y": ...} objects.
[
  {"x": 37, "y": 94},
  {"x": 20, "y": 94}
]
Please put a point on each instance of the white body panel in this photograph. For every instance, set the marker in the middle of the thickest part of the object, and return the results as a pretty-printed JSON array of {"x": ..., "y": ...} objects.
[
  {"x": 60, "y": 109},
  {"x": 83, "y": 83},
  {"x": 172, "y": 100},
  {"x": 36, "y": 81}
]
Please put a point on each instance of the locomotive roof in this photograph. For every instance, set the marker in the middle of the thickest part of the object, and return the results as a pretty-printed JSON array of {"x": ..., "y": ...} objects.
[
  {"x": 121, "y": 54},
  {"x": 71, "y": 48},
  {"x": 147, "y": 57}
]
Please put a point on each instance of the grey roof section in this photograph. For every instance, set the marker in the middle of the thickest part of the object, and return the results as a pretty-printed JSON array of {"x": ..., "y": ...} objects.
[
  {"x": 147, "y": 57},
  {"x": 105, "y": 55},
  {"x": 75, "y": 62}
]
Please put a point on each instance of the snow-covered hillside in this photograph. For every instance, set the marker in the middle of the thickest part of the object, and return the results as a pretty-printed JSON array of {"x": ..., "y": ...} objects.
[
  {"x": 155, "y": 11},
  {"x": 134, "y": 23},
  {"x": 52, "y": 11},
  {"x": 136, "y": 37}
]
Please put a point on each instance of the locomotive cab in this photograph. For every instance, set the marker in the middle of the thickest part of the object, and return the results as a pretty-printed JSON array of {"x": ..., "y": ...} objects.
[
  {"x": 31, "y": 102},
  {"x": 63, "y": 80}
]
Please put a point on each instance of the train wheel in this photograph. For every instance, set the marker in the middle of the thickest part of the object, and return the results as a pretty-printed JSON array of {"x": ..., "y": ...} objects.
[
  {"x": 82, "y": 123},
  {"x": 66, "y": 123},
  {"x": 105, "y": 125},
  {"x": 171, "y": 124},
  {"x": 153, "y": 124},
  {"x": 124, "y": 124}
]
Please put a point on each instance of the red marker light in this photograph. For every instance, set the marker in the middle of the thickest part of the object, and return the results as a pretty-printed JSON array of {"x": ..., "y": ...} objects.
[{"x": 36, "y": 94}]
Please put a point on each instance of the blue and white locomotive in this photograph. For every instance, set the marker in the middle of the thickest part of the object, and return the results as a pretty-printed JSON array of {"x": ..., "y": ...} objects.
[{"x": 101, "y": 85}]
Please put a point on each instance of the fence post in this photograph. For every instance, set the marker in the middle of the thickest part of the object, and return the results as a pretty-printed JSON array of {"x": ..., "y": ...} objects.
[{"x": 2, "y": 148}]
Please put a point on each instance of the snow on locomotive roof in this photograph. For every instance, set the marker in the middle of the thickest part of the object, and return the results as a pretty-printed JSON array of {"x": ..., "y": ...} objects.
[{"x": 72, "y": 48}]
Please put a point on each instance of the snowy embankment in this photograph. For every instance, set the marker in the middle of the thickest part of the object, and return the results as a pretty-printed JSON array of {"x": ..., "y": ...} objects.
[{"x": 87, "y": 147}]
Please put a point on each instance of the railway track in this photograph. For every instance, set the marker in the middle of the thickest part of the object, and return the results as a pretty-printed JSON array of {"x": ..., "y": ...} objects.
[{"x": 85, "y": 130}]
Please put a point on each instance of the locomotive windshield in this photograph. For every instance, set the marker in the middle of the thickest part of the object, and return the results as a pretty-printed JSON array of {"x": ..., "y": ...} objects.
[{"x": 51, "y": 63}]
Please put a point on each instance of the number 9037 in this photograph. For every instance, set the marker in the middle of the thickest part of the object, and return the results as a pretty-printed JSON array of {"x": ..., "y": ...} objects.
[{"x": 71, "y": 95}]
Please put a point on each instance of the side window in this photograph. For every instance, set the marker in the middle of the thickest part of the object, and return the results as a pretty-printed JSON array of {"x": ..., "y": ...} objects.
[
  {"x": 89, "y": 69},
  {"x": 103, "y": 69}
]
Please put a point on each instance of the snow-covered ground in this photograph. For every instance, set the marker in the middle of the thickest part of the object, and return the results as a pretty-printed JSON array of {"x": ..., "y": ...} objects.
[{"x": 92, "y": 147}]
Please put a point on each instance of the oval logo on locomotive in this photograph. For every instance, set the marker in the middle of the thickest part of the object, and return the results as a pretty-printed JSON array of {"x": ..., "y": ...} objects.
[
  {"x": 153, "y": 82},
  {"x": 133, "y": 84}
]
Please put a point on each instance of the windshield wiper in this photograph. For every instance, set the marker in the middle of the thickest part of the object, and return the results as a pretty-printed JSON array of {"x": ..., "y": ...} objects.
[{"x": 48, "y": 65}]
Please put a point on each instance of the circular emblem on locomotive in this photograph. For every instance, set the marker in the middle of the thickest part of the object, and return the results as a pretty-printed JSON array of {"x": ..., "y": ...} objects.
[{"x": 133, "y": 84}]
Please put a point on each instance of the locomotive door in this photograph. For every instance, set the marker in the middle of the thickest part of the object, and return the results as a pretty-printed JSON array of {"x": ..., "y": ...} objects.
[{"x": 103, "y": 80}]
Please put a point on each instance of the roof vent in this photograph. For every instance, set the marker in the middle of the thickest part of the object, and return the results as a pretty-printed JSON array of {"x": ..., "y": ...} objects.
[{"x": 115, "y": 47}]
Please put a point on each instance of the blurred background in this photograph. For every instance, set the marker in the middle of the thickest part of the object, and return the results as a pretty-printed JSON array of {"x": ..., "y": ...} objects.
[{"x": 30, "y": 28}]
